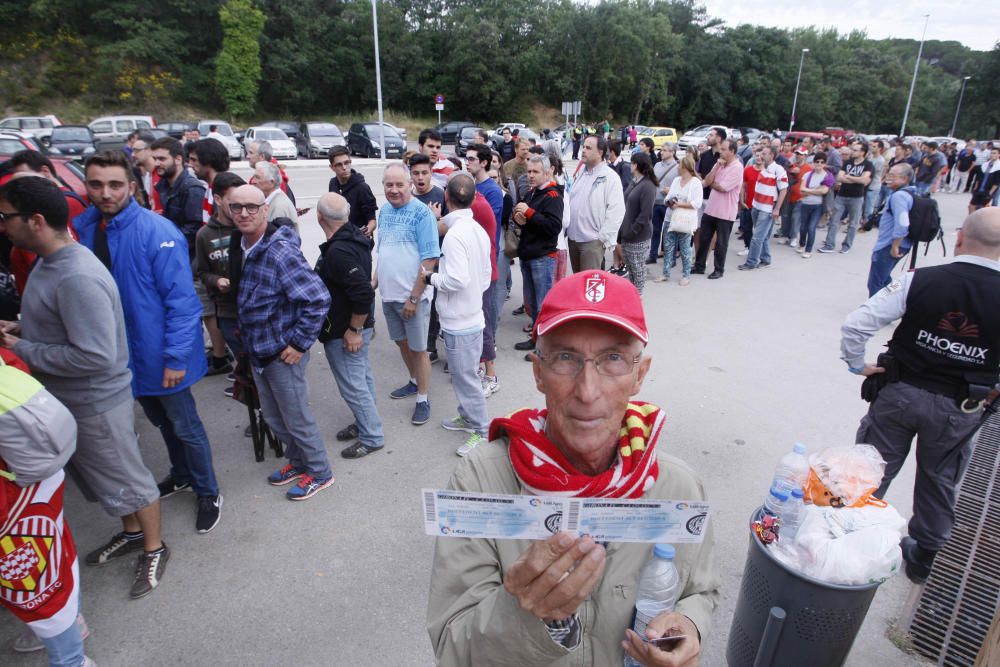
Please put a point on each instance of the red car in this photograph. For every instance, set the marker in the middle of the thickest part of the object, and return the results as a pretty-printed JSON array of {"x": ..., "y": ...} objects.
[{"x": 68, "y": 169}]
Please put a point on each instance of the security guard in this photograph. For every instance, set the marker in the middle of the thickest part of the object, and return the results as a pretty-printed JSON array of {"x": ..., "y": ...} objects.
[{"x": 941, "y": 366}]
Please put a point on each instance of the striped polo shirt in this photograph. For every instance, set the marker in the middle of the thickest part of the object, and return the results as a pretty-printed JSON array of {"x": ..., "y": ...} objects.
[{"x": 770, "y": 182}]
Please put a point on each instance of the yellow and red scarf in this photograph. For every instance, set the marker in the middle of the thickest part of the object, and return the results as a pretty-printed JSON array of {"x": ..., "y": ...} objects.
[{"x": 544, "y": 470}]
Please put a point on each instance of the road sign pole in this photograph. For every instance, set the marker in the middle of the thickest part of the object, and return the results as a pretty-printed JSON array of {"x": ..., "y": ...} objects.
[{"x": 378, "y": 80}]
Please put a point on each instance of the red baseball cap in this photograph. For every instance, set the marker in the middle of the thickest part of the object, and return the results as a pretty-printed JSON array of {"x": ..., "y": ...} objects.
[{"x": 593, "y": 295}]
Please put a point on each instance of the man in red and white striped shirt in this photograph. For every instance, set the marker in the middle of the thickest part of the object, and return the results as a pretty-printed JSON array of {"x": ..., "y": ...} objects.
[{"x": 769, "y": 195}]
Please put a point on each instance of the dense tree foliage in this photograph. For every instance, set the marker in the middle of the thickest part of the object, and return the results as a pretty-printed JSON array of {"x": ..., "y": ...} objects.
[
  {"x": 651, "y": 61},
  {"x": 237, "y": 69}
]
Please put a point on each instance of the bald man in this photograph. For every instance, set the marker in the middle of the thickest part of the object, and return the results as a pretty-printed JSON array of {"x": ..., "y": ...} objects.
[
  {"x": 407, "y": 241},
  {"x": 281, "y": 306},
  {"x": 942, "y": 366},
  {"x": 345, "y": 267}
]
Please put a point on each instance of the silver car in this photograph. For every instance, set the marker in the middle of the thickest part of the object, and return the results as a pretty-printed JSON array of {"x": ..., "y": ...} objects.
[{"x": 228, "y": 138}]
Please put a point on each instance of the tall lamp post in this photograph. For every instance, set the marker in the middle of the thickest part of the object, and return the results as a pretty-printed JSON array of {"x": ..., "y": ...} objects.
[
  {"x": 378, "y": 82},
  {"x": 954, "y": 123},
  {"x": 795, "y": 100},
  {"x": 913, "y": 84}
]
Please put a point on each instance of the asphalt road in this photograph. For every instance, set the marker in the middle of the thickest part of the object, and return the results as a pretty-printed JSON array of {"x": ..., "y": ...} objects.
[{"x": 744, "y": 367}]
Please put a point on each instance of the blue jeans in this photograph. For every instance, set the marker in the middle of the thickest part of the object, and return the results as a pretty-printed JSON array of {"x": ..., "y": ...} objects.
[
  {"x": 760, "y": 251},
  {"x": 809, "y": 215},
  {"x": 790, "y": 220},
  {"x": 659, "y": 212},
  {"x": 872, "y": 200},
  {"x": 538, "y": 276},
  {"x": 353, "y": 373},
  {"x": 176, "y": 415},
  {"x": 228, "y": 327},
  {"x": 463, "y": 361},
  {"x": 284, "y": 402},
  {"x": 503, "y": 284},
  {"x": 880, "y": 273},
  {"x": 851, "y": 206},
  {"x": 66, "y": 648},
  {"x": 746, "y": 226},
  {"x": 672, "y": 240}
]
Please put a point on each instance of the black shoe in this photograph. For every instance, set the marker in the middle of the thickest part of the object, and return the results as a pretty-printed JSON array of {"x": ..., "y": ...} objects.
[
  {"x": 434, "y": 359},
  {"x": 209, "y": 512},
  {"x": 348, "y": 433},
  {"x": 698, "y": 271},
  {"x": 170, "y": 486},
  {"x": 357, "y": 450},
  {"x": 218, "y": 366},
  {"x": 525, "y": 345},
  {"x": 714, "y": 275},
  {"x": 650, "y": 261},
  {"x": 117, "y": 546},
  {"x": 917, "y": 561},
  {"x": 746, "y": 267},
  {"x": 518, "y": 311},
  {"x": 148, "y": 572}
]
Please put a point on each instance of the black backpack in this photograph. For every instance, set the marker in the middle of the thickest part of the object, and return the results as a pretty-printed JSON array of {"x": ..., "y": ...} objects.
[{"x": 925, "y": 225}]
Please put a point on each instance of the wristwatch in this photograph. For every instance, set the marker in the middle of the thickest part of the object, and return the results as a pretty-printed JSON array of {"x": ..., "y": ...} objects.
[
  {"x": 412, "y": 299},
  {"x": 357, "y": 330}
]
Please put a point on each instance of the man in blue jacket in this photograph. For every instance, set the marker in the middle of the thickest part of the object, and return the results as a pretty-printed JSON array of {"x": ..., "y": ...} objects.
[
  {"x": 148, "y": 258},
  {"x": 281, "y": 305}
]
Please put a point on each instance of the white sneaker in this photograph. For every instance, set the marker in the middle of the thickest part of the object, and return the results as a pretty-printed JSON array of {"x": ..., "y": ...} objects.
[
  {"x": 491, "y": 385},
  {"x": 793, "y": 245},
  {"x": 744, "y": 252},
  {"x": 473, "y": 441},
  {"x": 806, "y": 255}
]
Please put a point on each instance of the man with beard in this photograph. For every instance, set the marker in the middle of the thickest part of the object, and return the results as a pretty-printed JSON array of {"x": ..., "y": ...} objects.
[{"x": 180, "y": 192}]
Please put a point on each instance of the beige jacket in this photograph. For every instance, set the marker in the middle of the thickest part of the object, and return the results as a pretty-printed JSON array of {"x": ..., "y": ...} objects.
[{"x": 473, "y": 620}]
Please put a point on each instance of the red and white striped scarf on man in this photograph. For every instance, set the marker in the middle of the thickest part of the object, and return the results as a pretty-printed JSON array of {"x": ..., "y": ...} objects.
[{"x": 544, "y": 470}]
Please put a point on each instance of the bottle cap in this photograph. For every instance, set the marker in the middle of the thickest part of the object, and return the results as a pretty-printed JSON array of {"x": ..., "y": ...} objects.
[
  {"x": 799, "y": 448},
  {"x": 664, "y": 551},
  {"x": 798, "y": 493},
  {"x": 780, "y": 494}
]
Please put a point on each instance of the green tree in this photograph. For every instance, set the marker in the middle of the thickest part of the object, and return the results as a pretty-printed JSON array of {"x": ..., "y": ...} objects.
[{"x": 237, "y": 69}]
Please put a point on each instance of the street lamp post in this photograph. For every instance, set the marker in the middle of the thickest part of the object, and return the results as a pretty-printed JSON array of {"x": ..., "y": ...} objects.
[
  {"x": 954, "y": 123},
  {"x": 378, "y": 81},
  {"x": 795, "y": 100},
  {"x": 913, "y": 84}
]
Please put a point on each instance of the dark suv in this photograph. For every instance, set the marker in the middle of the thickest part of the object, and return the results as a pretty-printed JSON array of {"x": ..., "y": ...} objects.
[
  {"x": 450, "y": 131},
  {"x": 363, "y": 139}
]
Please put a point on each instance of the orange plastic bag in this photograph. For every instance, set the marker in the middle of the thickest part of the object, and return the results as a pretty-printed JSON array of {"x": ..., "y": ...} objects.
[{"x": 845, "y": 477}]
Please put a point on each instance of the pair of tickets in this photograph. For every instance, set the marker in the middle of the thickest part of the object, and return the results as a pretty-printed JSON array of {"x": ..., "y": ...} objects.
[{"x": 510, "y": 517}]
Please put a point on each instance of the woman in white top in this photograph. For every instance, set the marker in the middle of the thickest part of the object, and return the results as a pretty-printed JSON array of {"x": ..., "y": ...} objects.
[{"x": 684, "y": 198}]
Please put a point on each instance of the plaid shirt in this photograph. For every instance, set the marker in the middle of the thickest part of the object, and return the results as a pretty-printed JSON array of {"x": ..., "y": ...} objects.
[{"x": 281, "y": 300}]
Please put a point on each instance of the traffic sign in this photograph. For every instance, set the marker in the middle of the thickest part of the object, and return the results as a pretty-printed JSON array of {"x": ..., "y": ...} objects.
[
  {"x": 439, "y": 107},
  {"x": 439, "y": 99}
]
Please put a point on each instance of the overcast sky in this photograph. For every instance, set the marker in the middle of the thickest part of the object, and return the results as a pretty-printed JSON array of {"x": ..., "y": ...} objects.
[{"x": 974, "y": 23}]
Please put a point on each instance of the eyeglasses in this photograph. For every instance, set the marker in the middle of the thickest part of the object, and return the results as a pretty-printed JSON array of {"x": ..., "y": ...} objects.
[
  {"x": 251, "y": 209},
  {"x": 4, "y": 217},
  {"x": 609, "y": 364}
]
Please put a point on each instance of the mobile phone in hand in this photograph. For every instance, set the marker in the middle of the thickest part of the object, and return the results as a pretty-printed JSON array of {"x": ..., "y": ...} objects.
[{"x": 668, "y": 643}]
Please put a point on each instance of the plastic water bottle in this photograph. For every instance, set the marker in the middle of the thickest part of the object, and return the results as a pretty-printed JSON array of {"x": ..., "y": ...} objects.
[
  {"x": 776, "y": 504},
  {"x": 659, "y": 588},
  {"x": 792, "y": 471},
  {"x": 792, "y": 518}
]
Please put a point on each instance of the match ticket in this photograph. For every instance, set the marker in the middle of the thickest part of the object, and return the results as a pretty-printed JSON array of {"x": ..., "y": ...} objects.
[{"x": 498, "y": 516}]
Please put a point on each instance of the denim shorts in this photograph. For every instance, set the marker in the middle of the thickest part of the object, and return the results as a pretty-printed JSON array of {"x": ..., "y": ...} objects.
[{"x": 413, "y": 330}]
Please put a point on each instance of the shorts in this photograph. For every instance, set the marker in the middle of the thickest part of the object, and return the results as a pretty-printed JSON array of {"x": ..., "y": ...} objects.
[
  {"x": 413, "y": 330},
  {"x": 207, "y": 305},
  {"x": 107, "y": 465}
]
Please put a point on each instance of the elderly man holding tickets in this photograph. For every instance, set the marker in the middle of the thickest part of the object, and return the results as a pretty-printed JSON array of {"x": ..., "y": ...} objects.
[{"x": 566, "y": 600}]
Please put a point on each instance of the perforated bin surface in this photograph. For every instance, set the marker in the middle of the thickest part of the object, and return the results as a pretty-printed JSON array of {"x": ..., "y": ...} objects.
[
  {"x": 822, "y": 619},
  {"x": 960, "y": 598}
]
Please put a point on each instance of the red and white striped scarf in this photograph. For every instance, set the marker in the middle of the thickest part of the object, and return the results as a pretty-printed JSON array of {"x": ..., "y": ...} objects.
[{"x": 544, "y": 470}]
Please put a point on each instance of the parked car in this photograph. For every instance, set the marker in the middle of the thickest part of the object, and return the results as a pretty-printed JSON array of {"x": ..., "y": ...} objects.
[
  {"x": 283, "y": 147},
  {"x": 466, "y": 137},
  {"x": 113, "y": 131},
  {"x": 659, "y": 135},
  {"x": 316, "y": 138},
  {"x": 289, "y": 127},
  {"x": 12, "y": 141},
  {"x": 68, "y": 169},
  {"x": 796, "y": 137},
  {"x": 228, "y": 138},
  {"x": 40, "y": 127},
  {"x": 177, "y": 128},
  {"x": 363, "y": 139},
  {"x": 72, "y": 140},
  {"x": 450, "y": 130},
  {"x": 522, "y": 131},
  {"x": 695, "y": 136}
]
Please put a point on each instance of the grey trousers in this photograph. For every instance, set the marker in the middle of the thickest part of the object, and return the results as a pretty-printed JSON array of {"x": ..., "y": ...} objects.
[
  {"x": 944, "y": 435},
  {"x": 586, "y": 256},
  {"x": 463, "y": 362}
]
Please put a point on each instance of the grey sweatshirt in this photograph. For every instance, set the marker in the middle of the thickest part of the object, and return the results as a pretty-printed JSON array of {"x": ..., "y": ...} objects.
[{"x": 73, "y": 332}]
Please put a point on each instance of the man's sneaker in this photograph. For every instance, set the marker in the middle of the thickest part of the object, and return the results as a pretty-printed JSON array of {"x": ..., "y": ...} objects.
[
  {"x": 287, "y": 474},
  {"x": 806, "y": 255},
  {"x": 308, "y": 487},
  {"x": 87, "y": 662},
  {"x": 421, "y": 413},
  {"x": 446, "y": 368},
  {"x": 826, "y": 250},
  {"x": 457, "y": 424},
  {"x": 117, "y": 546},
  {"x": 348, "y": 433},
  {"x": 231, "y": 377},
  {"x": 746, "y": 267},
  {"x": 28, "y": 641},
  {"x": 844, "y": 251},
  {"x": 228, "y": 391},
  {"x": 793, "y": 245},
  {"x": 517, "y": 311},
  {"x": 471, "y": 443},
  {"x": 209, "y": 512},
  {"x": 358, "y": 450},
  {"x": 491, "y": 385},
  {"x": 408, "y": 389},
  {"x": 170, "y": 486},
  {"x": 149, "y": 570},
  {"x": 481, "y": 374},
  {"x": 433, "y": 356},
  {"x": 744, "y": 252}
]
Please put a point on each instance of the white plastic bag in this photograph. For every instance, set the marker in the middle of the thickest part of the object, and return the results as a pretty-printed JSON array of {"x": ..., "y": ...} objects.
[{"x": 848, "y": 546}]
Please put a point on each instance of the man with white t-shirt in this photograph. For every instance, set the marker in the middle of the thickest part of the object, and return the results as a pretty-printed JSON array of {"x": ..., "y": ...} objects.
[
  {"x": 407, "y": 243},
  {"x": 768, "y": 196}
]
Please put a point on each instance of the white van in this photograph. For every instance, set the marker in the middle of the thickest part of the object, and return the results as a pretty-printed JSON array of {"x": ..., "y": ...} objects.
[{"x": 112, "y": 131}]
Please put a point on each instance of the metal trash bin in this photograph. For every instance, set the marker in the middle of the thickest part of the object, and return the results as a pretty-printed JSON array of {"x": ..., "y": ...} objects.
[{"x": 786, "y": 619}]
